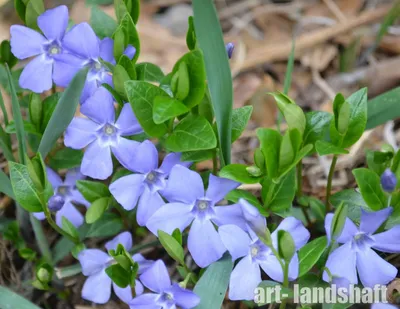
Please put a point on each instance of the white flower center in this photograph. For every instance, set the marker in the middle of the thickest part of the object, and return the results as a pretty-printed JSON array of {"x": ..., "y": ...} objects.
[
  {"x": 202, "y": 205},
  {"x": 109, "y": 130},
  {"x": 151, "y": 176},
  {"x": 254, "y": 251},
  {"x": 54, "y": 50},
  {"x": 97, "y": 66}
]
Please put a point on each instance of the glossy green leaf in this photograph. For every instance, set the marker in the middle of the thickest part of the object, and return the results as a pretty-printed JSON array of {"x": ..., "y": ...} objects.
[
  {"x": 108, "y": 225},
  {"x": 353, "y": 200},
  {"x": 197, "y": 156},
  {"x": 211, "y": 42},
  {"x": 69, "y": 227},
  {"x": 9, "y": 299},
  {"x": 97, "y": 209},
  {"x": 370, "y": 188},
  {"x": 126, "y": 34},
  {"x": 325, "y": 148},
  {"x": 149, "y": 72},
  {"x": 310, "y": 254},
  {"x": 49, "y": 105},
  {"x": 24, "y": 190},
  {"x": 92, "y": 190},
  {"x": 66, "y": 158},
  {"x": 63, "y": 113},
  {"x": 240, "y": 118},
  {"x": 383, "y": 108},
  {"x": 132, "y": 7},
  {"x": 172, "y": 246},
  {"x": 166, "y": 108},
  {"x": 317, "y": 124},
  {"x": 286, "y": 152},
  {"x": 103, "y": 24},
  {"x": 270, "y": 141},
  {"x": 300, "y": 155},
  {"x": 180, "y": 82},
  {"x": 191, "y": 134},
  {"x": 341, "y": 110},
  {"x": 286, "y": 246},
  {"x": 235, "y": 195},
  {"x": 338, "y": 221},
  {"x": 239, "y": 173},
  {"x": 118, "y": 275},
  {"x": 5, "y": 185},
  {"x": 191, "y": 39},
  {"x": 33, "y": 9},
  {"x": 120, "y": 76},
  {"x": 141, "y": 95},
  {"x": 212, "y": 286},
  {"x": 28, "y": 128},
  {"x": 5, "y": 145}
]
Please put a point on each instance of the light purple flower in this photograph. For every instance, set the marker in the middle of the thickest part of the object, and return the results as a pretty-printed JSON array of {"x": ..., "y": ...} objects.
[
  {"x": 245, "y": 244},
  {"x": 67, "y": 189},
  {"x": 101, "y": 134},
  {"x": 166, "y": 295},
  {"x": 356, "y": 253},
  {"x": 87, "y": 50},
  {"x": 39, "y": 74},
  {"x": 97, "y": 287},
  {"x": 189, "y": 204},
  {"x": 143, "y": 188},
  {"x": 383, "y": 306}
]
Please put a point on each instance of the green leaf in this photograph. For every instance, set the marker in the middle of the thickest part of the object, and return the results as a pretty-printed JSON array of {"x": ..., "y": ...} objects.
[
  {"x": 389, "y": 20},
  {"x": 120, "y": 76},
  {"x": 180, "y": 83},
  {"x": 191, "y": 134},
  {"x": 197, "y": 76},
  {"x": 5, "y": 185},
  {"x": 28, "y": 128},
  {"x": 97, "y": 209},
  {"x": 33, "y": 9},
  {"x": 341, "y": 110},
  {"x": 240, "y": 118},
  {"x": 63, "y": 113},
  {"x": 149, "y": 72},
  {"x": 212, "y": 286},
  {"x": 338, "y": 221},
  {"x": 9, "y": 299},
  {"x": 286, "y": 246},
  {"x": 238, "y": 172},
  {"x": 172, "y": 246},
  {"x": 103, "y": 24},
  {"x": 370, "y": 188},
  {"x": 300, "y": 155},
  {"x": 310, "y": 254},
  {"x": 69, "y": 227},
  {"x": 317, "y": 124},
  {"x": 210, "y": 39},
  {"x": 107, "y": 226},
  {"x": 287, "y": 152},
  {"x": 383, "y": 108},
  {"x": 19, "y": 124},
  {"x": 235, "y": 195},
  {"x": 191, "y": 39},
  {"x": 197, "y": 156},
  {"x": 127, "y": 6},
  {"x": 118, "y": 275},
  {"x": 270, "y": 141},
  {"x": 126, "y": 34},
  {"x": 353, "y": 200},
  {"x": 141, "y": 95},
  {"x": 92, "y": 190},
  {"x": 166, "y": 108},
  {"x": 49, "y": 105},
  {"x": 24, "y": 190},
  {"x": 325, "y": 148},
  {"x": 66, "y": 158}
]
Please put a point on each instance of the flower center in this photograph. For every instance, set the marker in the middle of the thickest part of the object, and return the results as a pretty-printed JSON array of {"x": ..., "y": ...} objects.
[
  {"x": 63, "y": 190},
  {"x": 202, "y": 205},
  {"x": 362, "y": 241},
  {"x": 109, "y": 130},
  {"x": 54, "y": 49},
  {"x": 151, "y": 177},
  {"x": 97, "y": 66},
  {"x": 254, "y": 251}
]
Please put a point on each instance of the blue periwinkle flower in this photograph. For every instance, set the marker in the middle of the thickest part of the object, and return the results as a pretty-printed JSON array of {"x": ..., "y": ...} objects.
[
  {"x": 388, "y": 180},
  {"x": 56, "y": 202},
  {"x": 356, "y": 255},
  {"x": 230, "y": 47}
]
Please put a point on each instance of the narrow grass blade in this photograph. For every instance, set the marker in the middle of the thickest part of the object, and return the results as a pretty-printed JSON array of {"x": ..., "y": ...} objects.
[
  {"x": 383, "y": 108},
  {"x": 209, "y": 36},
  {"x": 3, "y": 109},
  {"x": 5, "y": 185},
  {"x": 63, "y": 113},
  {"x": 41, "y": 239},
  {"x": 9, "y": 299},
  {"x": 5, "y": 145}
]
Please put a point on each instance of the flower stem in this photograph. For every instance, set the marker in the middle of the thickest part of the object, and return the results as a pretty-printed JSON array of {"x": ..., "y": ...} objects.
[
  {"x": 299, "y": 192},
  {"x": 329, "y": 185},
  {"x": 215, "y": 163},
  {"x": 285, "y": 283}
]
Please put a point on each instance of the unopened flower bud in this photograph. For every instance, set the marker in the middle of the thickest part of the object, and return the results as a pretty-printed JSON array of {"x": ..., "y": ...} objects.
[
  {"x": 230, "y": 47},
  {"x": 56, "y": 202},
  {"x": 388, "y": 180}
]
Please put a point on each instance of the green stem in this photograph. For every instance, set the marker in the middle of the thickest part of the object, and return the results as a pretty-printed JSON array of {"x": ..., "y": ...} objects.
[
  {"x": 215, "y": 163},
  {"x": 41, "y": 238},
  {"x": 329, "y": 185},
  {"x": 285, "y": 283},
  {"x": 299, "y": 192}
]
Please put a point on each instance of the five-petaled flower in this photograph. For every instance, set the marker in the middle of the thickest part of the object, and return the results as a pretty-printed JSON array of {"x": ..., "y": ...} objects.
[
  {"x": 97, "y": 287},
  {"x": 143, "y": 188},
  {"x": 356, "y": 253},
  {"x": 166, "y": 295},
  {"x": 70, "y": 194},
  {"x": 101, "y": 134}
]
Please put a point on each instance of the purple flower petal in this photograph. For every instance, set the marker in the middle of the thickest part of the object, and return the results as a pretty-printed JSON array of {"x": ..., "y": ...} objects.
[
  {"x": 145, "y": 159},
  {"x": 184, "y": 298},
  {"x": 91, "y": 85},
  {"x": 143, "y": 263},
  {"x": 124, "y": 294},
  {"x": 235, "y": 240},
  {"x": 100, "y": 107},
  {"x": 97, "y": 162},
  {"x": 255, "y": 221},
  {"x": 204, "y": 243},
  {"x": 296, "y": 228},
  {"x": 272, "y": 268},
  {"x": 342, "y": 263},
  {"x": 53, "y": 178},
  {"x": 82, "y": 40},
  {"x": 72, "y": 176},
  {"x": 125, "y": 151},
  {"x": 169, "y": 217},
  {"x": 145, "y": 301},
  {"x": 37, "y": 75},
  {"x": 54, "y": 22},
  {"x": 127, "y": 122},
  {"x": 26, "y": 42},
  {"x": 244, "y": 280},
  {"x": 383, "y": 306},
  {"x": 293, "y": 268},
  {"x": 139, "y": 288},
  {"x": 373, "y": 269},
  {"x": 39, "y": 215},
  {"x": 349, "y": 229},
  {"x": 171, "y": 160},
  {"x": 65, "y": 68},
  {"x": 71, "y": 213},
  {"x": 126, "y": 190},
  {"x": 156, "y": 278},
  {"x": 124, "y": 238},
  {"x": 80, "y": 133},
  {"x": 77, "y": 197},
  {"x": 388, "y": 241},
  {"x": 107, "y": 50},
  {"x": 371, "y": 221},
  {"x": 130, "y": 52},
  {"x": 179, "y": 178},
  {"x": 97, "y": 288},
  {"x": 149, "y": 203},
  {"x": 93, "y": 261},
  {"x": 230, "y": 214},
  {"x": 219, "y": 187}
]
